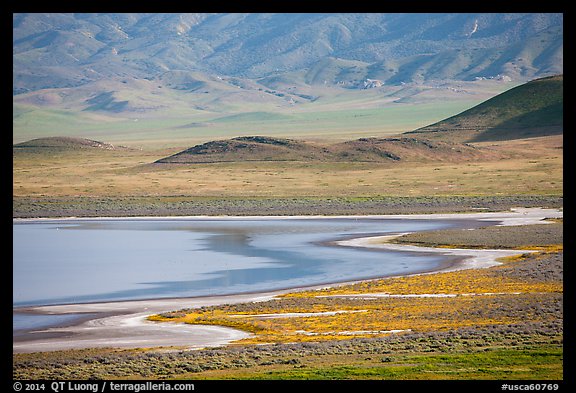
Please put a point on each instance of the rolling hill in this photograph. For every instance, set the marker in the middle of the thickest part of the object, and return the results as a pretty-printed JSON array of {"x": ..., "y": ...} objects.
[
  {"x": 529, "y": 110},
  {"x": 260, "y": 148},
  {"x": 61, "y": 143}
]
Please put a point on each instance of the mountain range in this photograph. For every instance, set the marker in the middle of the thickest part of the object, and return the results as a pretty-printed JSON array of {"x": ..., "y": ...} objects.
[{"x": 348, "y": 50}]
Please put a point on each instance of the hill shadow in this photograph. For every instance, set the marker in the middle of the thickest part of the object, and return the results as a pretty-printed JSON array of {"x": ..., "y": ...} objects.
[{"x": 542, "y": 122}]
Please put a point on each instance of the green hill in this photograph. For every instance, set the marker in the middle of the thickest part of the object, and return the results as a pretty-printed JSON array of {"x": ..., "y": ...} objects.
[{"x": 529, "y": 110}]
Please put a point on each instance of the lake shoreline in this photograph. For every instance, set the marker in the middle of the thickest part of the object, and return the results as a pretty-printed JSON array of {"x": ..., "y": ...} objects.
[
  {"x": 525, "y": 215},
  {"x": 112, "y": 316},
  {"x": 101, "y": 313}
]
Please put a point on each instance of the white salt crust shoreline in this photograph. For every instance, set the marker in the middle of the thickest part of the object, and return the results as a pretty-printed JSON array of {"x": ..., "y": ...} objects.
[
  {"x": 473, "y": 258},
  {"x": 129, "y": 328},
  {"x": 516, "y": 216}
]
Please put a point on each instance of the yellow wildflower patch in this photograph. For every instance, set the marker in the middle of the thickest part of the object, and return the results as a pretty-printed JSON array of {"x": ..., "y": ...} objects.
[{"x": 419, "y": 303}]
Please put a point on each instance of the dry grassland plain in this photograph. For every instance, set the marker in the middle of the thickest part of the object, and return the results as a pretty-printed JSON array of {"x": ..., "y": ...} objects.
[{"x": 523, "y": 167}]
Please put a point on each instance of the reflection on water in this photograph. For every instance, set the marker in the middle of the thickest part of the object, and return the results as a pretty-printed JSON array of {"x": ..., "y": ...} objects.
[
  {"x": 82, "y": 261},
  {"x": 22, "y": 322}
]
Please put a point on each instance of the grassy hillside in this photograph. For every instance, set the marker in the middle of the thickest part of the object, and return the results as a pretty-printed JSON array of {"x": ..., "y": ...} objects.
[{"x": 530, "y": 110}]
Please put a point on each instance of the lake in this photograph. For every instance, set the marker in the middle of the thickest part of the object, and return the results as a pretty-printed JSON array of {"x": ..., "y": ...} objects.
[{"x": 76, "y": 261}]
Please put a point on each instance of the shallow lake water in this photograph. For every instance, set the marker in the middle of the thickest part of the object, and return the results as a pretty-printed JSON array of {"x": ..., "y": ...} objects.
[{"x": 58, "y": 262}]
